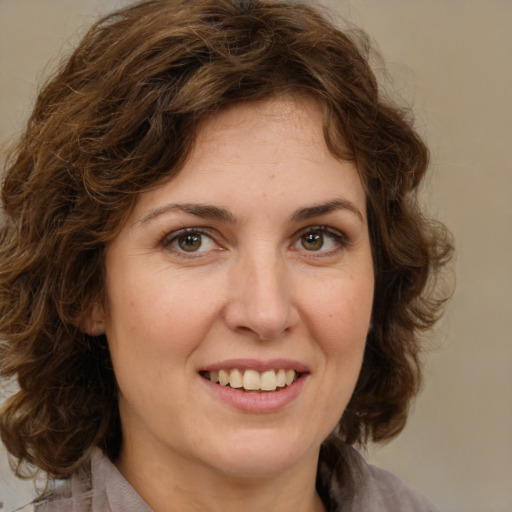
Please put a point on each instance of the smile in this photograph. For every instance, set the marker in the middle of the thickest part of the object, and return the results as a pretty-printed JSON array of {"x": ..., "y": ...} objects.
[{"x": 252, "y": 380}]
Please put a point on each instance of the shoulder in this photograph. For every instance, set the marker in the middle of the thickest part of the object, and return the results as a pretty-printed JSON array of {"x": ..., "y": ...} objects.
[
  {"x": 70, "y": 496},
  {"x": 98, "y": 488},
  {"x": 352, "y": 485},
  {"x": 386, "y": 492}
]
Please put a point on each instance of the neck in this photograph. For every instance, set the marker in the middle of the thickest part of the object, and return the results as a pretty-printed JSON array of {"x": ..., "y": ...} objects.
[{"x": 185, "y": 486}]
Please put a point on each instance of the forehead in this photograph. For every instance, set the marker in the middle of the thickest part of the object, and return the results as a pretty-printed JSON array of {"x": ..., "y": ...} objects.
[
  {"x": 276, "y": 129},
  {"x": 274, "y": 150},
  {"x": 291, "y": 112}
]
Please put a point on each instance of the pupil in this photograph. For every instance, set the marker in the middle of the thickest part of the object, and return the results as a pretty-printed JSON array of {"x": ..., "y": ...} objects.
[
  {"x": 190, "y": 243},
  {"x": 313, "y": 241}
]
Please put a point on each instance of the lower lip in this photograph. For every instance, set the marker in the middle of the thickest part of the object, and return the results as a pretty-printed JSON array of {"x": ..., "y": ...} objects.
[{"x": 262, "y": 402}]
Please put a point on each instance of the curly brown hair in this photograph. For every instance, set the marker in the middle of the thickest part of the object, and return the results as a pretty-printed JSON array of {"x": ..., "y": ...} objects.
[{"x": 119, "y": 118}]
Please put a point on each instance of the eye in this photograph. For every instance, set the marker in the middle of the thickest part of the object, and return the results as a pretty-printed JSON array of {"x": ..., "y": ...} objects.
[
  {"x": 190, "y": 240},
  {"x": 320, "y": 239},
  {"x": 312, "y": 241}
]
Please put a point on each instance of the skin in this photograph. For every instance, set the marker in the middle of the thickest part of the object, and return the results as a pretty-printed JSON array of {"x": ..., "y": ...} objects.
[{"x": 255, "y": 288}]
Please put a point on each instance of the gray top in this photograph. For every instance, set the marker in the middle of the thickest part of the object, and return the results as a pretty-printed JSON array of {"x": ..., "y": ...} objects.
[{"x": 345, "y": 482}]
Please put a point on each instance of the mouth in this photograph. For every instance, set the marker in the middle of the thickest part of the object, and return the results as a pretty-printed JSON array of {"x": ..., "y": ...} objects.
[{"x": 253, "y": 381}]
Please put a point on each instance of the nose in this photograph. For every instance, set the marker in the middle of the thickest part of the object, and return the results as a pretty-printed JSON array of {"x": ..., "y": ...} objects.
[{"x": 260, "y": 303}]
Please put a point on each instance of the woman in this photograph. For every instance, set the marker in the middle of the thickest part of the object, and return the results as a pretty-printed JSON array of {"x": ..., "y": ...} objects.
[{"x": 213, "y": 267}]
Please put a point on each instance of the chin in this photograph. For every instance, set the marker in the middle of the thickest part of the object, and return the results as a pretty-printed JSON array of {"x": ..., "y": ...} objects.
[{"x": 263, "y": 454}]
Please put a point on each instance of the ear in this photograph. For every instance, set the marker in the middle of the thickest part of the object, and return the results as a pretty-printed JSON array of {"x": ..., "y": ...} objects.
[{"x": 93, "y": 320}]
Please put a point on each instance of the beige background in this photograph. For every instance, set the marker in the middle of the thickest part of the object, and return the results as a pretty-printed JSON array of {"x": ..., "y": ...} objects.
[{"x": 453, "y": 60}]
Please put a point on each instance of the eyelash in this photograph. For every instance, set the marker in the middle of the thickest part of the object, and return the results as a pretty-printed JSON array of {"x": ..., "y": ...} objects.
[
  {"x": 169, "y": 239},
  {"x": 338, "y": 237}
]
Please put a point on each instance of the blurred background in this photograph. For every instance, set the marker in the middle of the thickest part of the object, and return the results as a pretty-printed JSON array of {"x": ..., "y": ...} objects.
[{"x": 452, "y": 61}]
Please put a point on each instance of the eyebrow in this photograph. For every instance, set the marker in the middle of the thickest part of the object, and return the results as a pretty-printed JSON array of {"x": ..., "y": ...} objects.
[
  {"x": 324, "y": 208},
  {"x": 206, "y": 211}
]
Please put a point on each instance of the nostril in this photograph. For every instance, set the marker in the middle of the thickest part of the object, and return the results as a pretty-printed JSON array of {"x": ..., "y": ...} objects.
[{"x": 264, "y": 325}]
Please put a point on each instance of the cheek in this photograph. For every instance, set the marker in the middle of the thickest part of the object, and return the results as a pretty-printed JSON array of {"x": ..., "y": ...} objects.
[
  {"x": 340, "y": 313},
  {"x": 156, "y": 319},
  {"x": 340, "y": 320}
]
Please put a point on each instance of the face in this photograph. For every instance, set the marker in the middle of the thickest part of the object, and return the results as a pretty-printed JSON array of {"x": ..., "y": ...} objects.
[{"x": 238, "y": 297}]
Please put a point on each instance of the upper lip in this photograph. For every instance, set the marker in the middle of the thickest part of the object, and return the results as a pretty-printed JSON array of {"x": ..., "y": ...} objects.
[{"x": 258, "y": 365}]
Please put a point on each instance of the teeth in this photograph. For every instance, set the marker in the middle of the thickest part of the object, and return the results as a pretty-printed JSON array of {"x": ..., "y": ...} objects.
[
  {"x": 289, "y": 376},
  {"x": 235, "y": 379},
  {"x": 269, "y": 380},
  {"x": 223, "y": 377},
  {"x": 252, "y": 380}
]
